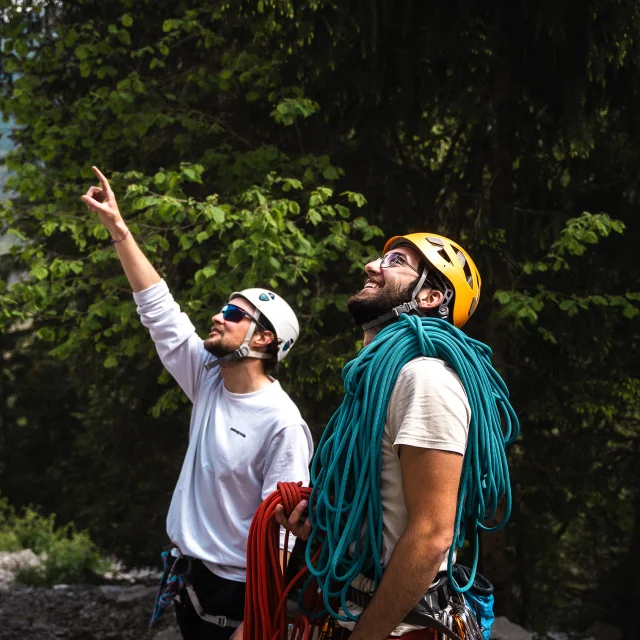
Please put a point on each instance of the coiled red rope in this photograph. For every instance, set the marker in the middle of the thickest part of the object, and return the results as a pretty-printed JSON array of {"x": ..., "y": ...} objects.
[{"x": 265, "y": 609}]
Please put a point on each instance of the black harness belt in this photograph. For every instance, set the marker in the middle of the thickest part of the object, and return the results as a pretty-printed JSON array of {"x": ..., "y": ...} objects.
[
  {"x": 185, "y": 572},
  {"x": 436, "y": 600}
]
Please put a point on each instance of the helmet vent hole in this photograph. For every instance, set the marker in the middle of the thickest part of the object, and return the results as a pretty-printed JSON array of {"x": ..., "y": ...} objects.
[
  {"x": 443, "y": 253},
  {"x": 466, "y": 268}
]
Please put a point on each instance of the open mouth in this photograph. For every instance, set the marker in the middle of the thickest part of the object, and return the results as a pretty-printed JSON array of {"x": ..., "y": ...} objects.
[{"x": 370, "y": 284}]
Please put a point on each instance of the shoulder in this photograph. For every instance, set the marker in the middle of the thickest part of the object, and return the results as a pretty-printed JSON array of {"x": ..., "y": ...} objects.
[
  {"x": 289, "y": 423},
  {"x": 426, "y": 374},
  {"x": 281, "y": 402},
  {"x": 422, "y": 365},
  {"x": 280, "y": 410},
  {"x": 429, "y": 406},
  {"x": 428, "y": 392}
]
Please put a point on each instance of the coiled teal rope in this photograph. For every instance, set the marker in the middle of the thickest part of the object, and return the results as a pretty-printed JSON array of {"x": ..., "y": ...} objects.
[{"x": 345, "y": 472}]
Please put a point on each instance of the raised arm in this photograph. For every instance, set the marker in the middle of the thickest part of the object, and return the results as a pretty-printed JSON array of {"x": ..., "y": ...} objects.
[
  {"x": 138, "y": 269},
  {"x": 179, "y": 347}
]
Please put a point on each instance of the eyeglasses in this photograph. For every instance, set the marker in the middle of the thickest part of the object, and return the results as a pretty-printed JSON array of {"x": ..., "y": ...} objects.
[
  {"x": 232, "y": 313},
  {"x": 394, "y": 260}
]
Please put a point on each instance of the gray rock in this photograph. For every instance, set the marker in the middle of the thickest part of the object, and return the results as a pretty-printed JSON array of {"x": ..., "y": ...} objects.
[
  {"x": 40, "y": 624},
  {"x": 13, "y": 561},
  {"x": 169, "y": 634},
  {"x": 504, "y": 629},
  {"x": 128, "y": 595}
]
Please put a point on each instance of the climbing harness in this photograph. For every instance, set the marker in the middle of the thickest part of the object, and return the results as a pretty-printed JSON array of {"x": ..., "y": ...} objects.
[
  {"x": 345, "y": 507},
  {"x": 176, "y": 576}
]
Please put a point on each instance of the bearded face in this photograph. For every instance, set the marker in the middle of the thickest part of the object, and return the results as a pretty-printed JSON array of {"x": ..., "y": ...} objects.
[
  {"x": 217, "y": 346},
  {"x": 379, "y": 296},
  {"x": 225, "y": 336}
]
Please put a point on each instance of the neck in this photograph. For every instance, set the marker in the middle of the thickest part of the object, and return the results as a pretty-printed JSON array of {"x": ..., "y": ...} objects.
[
  {"x": 370, "y": 334},
  {"x": 244, "y": 376}
]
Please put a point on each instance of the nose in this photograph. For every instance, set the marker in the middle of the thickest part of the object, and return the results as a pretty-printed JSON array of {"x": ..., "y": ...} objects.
[
  {"x": 373, "y": 267},
  {"x": 218, "y": 318}
]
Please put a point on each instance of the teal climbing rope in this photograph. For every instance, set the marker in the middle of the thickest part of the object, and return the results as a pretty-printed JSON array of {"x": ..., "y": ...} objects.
[{"x": 345, "y": 473}]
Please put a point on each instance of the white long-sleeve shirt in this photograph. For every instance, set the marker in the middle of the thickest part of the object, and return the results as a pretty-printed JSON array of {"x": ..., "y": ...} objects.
[{"x": 240, "y": 445}]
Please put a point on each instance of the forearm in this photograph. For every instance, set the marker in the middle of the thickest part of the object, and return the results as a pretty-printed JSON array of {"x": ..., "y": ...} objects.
[
  {"x": 139, "y": 271},
  {"x": 411, "y": 570}
]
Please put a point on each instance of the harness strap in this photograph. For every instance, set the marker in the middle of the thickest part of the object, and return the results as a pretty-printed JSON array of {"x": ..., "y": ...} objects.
[
  {"x": 187, "y": 583},
  {"x": 220, "y": 621}
]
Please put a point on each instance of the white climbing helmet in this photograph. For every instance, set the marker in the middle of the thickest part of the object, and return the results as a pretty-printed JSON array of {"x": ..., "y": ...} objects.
[{"x": 277, "y": 312}]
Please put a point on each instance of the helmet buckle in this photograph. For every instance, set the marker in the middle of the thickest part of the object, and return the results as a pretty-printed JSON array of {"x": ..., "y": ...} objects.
[
  {"x": 405, "y": 307},
  {"x": 242, "y": 351}
]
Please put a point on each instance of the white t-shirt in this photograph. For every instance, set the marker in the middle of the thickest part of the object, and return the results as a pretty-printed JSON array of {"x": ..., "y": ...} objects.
[
  {"x": 240, "y": 445},
  {"x": 429, "y": 409}
]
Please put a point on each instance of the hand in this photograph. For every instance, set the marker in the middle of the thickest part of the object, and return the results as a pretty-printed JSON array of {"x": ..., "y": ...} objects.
[
  {"x": 103, "y": 201},
  {"x": 238, "y": 633},
  {"x": 300, "y": 529}
]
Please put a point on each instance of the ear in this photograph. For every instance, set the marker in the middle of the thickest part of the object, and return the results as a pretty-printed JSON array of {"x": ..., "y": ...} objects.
[
  {"x": 261, "y": 339},
  {"x": 429, "y": 299}
]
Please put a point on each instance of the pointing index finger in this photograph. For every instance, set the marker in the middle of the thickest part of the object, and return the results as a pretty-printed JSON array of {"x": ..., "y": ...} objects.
[{"x": 103, "y": 181}]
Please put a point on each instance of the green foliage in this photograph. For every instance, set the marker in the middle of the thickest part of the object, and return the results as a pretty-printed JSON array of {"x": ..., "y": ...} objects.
[
  {"x": 242, "y": 139},
  {"x": 574, "y": 239},
  {"x": 162, "y": 104},
  {"x": 68, "y": 556}
]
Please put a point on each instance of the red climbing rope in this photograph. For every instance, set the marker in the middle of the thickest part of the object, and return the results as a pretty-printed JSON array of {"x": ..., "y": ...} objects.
[{"x": 265, "y": 610}]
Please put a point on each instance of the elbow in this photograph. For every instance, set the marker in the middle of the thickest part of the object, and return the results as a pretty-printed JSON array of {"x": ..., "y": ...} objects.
[
  {"x": 434, "y": 543},
  {"x": 439, "y": 546}
]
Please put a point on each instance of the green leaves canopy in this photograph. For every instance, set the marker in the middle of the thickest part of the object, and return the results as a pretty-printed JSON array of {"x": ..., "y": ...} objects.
[{"x": 239, "y": 137}]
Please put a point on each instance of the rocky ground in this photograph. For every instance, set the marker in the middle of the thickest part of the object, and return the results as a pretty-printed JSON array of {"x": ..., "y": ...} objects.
[
  {"x": 81, "y": 613},
  {"x": 121, "y": 609}
]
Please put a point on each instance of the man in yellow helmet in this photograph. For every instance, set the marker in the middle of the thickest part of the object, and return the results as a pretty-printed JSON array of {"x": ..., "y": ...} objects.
[
  {"x": 437, "y": 278},
  {"x": 424, "y": 439}
]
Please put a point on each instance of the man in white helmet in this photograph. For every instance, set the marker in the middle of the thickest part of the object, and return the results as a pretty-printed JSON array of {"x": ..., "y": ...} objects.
[{"x": 246, "y": 434}]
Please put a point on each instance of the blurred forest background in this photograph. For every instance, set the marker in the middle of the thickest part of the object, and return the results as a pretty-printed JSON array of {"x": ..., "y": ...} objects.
[{"x": 280, "y": 142}]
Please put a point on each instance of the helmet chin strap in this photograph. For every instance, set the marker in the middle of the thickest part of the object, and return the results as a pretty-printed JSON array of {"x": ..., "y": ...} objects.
[{"x": 243, "y": 351}]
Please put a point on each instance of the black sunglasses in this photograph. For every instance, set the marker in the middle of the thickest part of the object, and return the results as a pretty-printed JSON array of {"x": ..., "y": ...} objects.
[{"x": 232, "y": 313}]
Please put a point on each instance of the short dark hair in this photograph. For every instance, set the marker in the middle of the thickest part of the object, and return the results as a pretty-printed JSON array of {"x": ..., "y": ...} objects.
[{"x": 271, "y": 365}]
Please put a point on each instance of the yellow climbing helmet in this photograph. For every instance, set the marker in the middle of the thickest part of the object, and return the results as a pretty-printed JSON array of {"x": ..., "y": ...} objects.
[{"x": 456, "y": 269}]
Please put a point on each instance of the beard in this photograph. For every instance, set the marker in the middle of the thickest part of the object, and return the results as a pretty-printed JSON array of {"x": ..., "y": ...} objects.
[
  {"x": 365, "y": 307},
  {"x": 216, "y": 347}
]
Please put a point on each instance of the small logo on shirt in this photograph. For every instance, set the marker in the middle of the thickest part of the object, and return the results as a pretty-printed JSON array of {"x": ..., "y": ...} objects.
[{"x": 238, "y": 432}]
